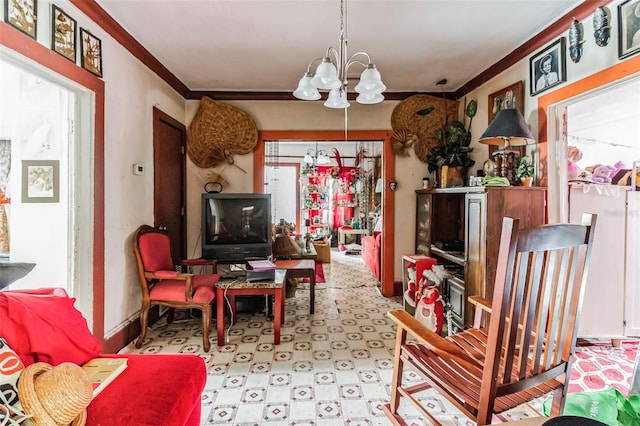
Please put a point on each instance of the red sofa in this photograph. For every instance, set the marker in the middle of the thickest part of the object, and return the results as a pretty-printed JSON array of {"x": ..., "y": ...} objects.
[
  {"x": 370, "y": 252},
  {"x": 44, "y": 326}
]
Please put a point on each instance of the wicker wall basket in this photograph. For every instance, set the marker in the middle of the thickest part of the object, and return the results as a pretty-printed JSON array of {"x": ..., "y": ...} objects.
[
  {"x": 219, "y": 131},
  {"x": 406, "y": 117}
]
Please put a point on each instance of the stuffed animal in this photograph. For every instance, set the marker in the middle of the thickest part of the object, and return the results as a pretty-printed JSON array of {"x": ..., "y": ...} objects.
[
  {"x": 573, "y": 156},
  {"x": 602, "y": 174}
]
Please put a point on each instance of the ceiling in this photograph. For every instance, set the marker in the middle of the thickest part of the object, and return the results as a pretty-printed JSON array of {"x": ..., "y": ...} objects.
[{"x": 266, "y": 45}]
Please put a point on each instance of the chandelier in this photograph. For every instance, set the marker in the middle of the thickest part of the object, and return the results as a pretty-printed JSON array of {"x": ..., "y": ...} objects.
[
  {"x": 331, "y": 74},
  {"x": 317, "y": 157}
]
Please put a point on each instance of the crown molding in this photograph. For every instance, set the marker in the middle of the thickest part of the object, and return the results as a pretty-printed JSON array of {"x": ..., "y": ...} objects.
[
  {"x": 108, "y": 24},
  {"x": 115, "y": 30}
]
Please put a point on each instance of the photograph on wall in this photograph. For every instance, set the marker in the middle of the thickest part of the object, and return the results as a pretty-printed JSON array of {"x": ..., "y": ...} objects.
[
  {"x": 628, "y": 28},
  {"x": 63, "y": 34},
  {"x": 508, "y": 97},
  {"x": 40, "y": 181},
  {"x": 91, "y": 54},
  {"x": 21, "y": 14},
  {"x": 547, "y": 68}
]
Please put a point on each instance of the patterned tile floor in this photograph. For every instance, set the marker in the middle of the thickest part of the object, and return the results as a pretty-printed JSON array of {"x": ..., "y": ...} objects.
[{"x": 331, "y": 368}]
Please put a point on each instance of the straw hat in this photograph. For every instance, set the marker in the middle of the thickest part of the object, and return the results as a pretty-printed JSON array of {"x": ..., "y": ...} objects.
[{"x": 55, "y": 396}]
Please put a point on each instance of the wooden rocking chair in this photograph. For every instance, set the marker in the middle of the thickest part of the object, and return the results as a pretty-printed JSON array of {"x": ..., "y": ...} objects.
[{"x": 525, "y": 351}]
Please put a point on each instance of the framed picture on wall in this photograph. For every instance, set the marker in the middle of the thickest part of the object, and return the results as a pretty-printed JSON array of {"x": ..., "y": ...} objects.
[
  {"x": 63, "y": 33},
  {"x": 40, "y": 181},
  {"x": 547, "y": 68},
  {"x": 507, "y": 97},
  {"x": 628, "y": 28},
  {"x": 22, "y": 15},
  {"x": 91, "y": 52}
]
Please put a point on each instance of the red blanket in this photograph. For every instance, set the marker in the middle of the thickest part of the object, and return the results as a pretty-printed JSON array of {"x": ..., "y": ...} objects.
[{"x": 45, "y": 328}]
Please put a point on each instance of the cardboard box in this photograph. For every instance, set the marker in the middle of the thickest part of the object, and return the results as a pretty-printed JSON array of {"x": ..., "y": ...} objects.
[{"x": 323, "y": 249}]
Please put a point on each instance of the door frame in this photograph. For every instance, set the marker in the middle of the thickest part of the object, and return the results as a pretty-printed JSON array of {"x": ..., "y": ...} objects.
[{"x": 388, "y": 174}]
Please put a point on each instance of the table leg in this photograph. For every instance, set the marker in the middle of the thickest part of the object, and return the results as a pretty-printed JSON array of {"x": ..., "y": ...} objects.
[
  {"x": 220, "y": 316},
  {"x": 278, "y": 295},
  {"x": 312, "y": 291}
]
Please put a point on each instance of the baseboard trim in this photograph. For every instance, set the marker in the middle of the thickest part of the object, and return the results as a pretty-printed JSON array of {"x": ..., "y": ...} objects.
[{"x": 128, "y": 333}]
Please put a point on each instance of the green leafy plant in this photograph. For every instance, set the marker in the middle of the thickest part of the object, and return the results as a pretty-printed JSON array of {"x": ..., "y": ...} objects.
[
  {"x": 525, "y": 168},
  {"x": 453, "y": 149}
]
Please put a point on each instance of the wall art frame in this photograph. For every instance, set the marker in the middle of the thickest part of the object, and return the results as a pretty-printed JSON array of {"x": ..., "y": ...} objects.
[
  {"x": 40, "y": 181},
  {"x": 628, "y": 28},
  {"x": 548, "y": 67},
  {"x": 22, "y": 16},
  {"x": 91, "y": 52},
  {"x": 508, "y": 97},
  {"x": 63, "y": 33}
]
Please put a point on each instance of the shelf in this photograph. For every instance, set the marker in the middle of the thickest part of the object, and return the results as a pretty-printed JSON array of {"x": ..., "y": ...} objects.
[{"x": 456, "y": 257}]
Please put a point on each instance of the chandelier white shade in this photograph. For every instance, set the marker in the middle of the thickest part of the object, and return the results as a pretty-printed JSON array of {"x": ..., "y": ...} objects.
[
  {"x": 337, "y": 99},
  {"x": 305, "y": 90},
  {"x": 317, "y": 157},
  {"x": 331, "y": 74}
]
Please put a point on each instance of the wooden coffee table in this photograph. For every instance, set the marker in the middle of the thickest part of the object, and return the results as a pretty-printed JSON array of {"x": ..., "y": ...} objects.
[{"x": 228, "y": 290}]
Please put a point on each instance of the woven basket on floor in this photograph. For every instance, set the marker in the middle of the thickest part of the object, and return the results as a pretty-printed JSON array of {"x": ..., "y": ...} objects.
[
  {"x": 405, "y": 117},
  {"x": 219, "y": 131}
]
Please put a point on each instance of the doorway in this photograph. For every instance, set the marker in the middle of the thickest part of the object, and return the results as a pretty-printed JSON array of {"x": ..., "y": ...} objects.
[
  {"x": 46, "y": 179},
  {"x": 594, "y": 127},
  {"x": 388, "y": 173}
]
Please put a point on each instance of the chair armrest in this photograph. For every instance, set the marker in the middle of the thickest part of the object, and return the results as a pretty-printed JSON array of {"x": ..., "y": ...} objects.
[
  {"x": 440, "y": 346},
  {"x": 174, "y": 275},
  {"x": 163, "y": 275},
  {"x": 201, "y": 262},
  {"x": 483, "y": 306},
  {"x": 481, "y": 303}
]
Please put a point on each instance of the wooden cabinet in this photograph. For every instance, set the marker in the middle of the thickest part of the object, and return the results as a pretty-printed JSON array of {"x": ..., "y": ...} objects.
[{"x": 461, "y": 228}]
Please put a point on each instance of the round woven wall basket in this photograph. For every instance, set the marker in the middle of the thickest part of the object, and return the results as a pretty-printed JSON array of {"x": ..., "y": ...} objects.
[
  {"x": 422, "y": 115},
  {"x": 219, "y": 131}
]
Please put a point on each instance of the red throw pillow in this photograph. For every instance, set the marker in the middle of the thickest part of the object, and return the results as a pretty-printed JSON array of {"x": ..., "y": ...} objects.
[{"x": 46, "y": 328}]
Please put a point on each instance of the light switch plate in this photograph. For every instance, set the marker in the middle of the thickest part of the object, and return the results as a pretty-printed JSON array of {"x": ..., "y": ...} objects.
[{"x": 138, "y": 169}]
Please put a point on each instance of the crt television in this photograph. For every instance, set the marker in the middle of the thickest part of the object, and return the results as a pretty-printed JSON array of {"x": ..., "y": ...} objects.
[{"x": 236, "y": 227}]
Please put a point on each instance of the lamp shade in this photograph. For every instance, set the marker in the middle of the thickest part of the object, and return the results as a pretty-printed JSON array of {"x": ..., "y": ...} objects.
[
  {"x": 326, "y": 76},
  {"x": 305, "y": 90},
  {"x": 508, "y": 128},
  {"x": 370, "y": 81},
  {"x": 369, "y": 98},
  {"x": 337, "y": 99}
]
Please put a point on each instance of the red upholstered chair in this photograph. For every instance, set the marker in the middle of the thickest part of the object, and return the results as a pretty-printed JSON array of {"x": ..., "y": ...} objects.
[{"x": 162, "y": 285}]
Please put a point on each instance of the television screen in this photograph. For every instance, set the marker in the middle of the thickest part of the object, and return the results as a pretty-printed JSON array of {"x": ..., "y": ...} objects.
[{"x": 236, "y": 226}]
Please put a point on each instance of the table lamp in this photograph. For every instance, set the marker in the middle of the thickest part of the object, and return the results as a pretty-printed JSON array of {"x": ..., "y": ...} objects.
[{"x": 507, "y": 129}]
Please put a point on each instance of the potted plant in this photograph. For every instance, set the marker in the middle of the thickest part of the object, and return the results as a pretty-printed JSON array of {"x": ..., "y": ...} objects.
[
  {"x": 453, "y": 154},
  {"x": 525, "y": 171}
]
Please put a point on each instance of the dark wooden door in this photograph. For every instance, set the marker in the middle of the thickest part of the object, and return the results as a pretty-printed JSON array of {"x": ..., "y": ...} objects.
[{"x": 169, "y": 177}]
